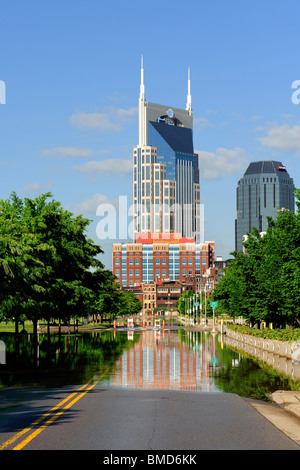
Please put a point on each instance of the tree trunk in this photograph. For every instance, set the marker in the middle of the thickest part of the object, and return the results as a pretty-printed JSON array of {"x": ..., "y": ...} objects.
[
  {"x": 35, "y": 342},
  {"x": 17, "y": 338},
  {"x": 48, "y": 329}
]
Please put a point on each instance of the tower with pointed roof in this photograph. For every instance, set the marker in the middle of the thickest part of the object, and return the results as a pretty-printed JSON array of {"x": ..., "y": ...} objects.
[
  {"x": 265, "y": 187},
  {"x": 166, "y": 190}
]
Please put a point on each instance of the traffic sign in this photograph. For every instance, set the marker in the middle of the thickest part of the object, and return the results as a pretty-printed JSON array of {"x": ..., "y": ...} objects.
[
  {"x": 196, "y": 304},
  {"x": 213, "y": 304}
]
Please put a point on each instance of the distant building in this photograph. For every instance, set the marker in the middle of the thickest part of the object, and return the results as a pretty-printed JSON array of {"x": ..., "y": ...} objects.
[
  {"x": 221, "y": 264},
  {"x": 157, "y": 258},
  {"x": 264, "y": 188}
]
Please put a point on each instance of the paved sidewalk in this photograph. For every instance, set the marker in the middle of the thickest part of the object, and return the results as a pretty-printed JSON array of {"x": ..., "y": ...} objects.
[
  {"x": 284, "y": 412},
  {"x": 289, "y": 400}
]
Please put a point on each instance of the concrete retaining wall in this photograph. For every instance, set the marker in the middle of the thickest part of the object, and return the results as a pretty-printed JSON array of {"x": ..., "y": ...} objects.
[{"x": 278, "y": 354}]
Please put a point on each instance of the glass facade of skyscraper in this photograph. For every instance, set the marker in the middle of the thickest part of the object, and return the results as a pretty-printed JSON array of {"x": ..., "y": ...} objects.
[
  {"x": 174, "y": 145},
  {"x": 264, "y": 188}
]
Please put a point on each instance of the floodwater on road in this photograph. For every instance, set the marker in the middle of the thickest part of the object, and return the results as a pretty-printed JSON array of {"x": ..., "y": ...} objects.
[
  {"x": 181, "y": 360},
  {"x": 166, "y": 359}
]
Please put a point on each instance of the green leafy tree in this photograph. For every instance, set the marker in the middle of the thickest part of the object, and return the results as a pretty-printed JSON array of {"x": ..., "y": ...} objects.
[
  {"x": 72, "y": 255},
  {"x": 184, "y": 301},
  {"x": 45, "y": 258},
  {"x": 103, "y": 295},
  {"x": 21, "y": 267},
  {"x": 128, "y": 303},
  {"x": 263, "y": 283}
]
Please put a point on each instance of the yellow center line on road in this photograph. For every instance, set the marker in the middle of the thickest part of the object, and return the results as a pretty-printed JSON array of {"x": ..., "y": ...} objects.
[{"x": 46, "y": 415}]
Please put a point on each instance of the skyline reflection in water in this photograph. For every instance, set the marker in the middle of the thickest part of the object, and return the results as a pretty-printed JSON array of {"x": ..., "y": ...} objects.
[
  {"x": 182, "y": 360},
  {"x": 166, "y": 359}
]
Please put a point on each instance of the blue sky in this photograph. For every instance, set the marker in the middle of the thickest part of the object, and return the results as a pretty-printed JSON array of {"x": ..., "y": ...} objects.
[{"x": 72, "y": 73}]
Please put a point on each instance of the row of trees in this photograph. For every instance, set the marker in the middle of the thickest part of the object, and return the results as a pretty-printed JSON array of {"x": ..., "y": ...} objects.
[
  {"x": 50, "y": 269},
  {"x": 263, "y": 284}
]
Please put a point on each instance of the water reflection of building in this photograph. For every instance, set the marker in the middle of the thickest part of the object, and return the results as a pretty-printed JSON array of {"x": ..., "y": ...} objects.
[{"x": 161, "y": 360}]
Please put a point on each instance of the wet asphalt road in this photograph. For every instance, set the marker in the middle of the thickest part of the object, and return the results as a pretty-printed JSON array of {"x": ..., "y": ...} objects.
[{"x": 99, "y": 418}]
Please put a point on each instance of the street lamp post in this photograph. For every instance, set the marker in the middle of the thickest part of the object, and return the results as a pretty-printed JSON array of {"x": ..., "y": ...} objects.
[
  {"x": 205, "y": 290},
  {"x": 213, "y": 330},
  {"x": 213, "y": 306},
  {"x": 201, "y": 319},
  {"x": 194, "y": 308}
]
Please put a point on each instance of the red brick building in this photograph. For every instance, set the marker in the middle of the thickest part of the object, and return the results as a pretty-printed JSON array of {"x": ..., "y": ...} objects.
[{"x": 160, "y": 258}]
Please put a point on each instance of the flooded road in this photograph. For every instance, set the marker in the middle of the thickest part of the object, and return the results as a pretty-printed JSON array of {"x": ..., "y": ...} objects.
[
  {"x": 182, "y": 360},
  {"x": 169, "y": 360}
]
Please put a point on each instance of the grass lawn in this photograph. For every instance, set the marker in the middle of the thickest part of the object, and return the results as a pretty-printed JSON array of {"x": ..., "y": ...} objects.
[{"x": 9, "y": 327}]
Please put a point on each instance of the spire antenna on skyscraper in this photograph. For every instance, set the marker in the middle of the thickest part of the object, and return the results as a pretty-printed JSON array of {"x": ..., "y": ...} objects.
[
  {"x": 189, "y": 96},
  {"x": 142, "y": 86},
  {"x": 142, "y": 109}
]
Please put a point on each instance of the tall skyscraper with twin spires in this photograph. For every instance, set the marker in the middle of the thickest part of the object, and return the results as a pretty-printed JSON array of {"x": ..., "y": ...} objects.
[{"x": 166, "y": 190}]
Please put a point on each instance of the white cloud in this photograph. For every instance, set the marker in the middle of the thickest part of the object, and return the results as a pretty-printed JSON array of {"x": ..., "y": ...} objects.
[
  {"x": 111, "y": 166},
  {"x": 73, "y": 152},
  {"x": 93, "y": 121},
  {"x": 224, "y": 162},
  {"x": 283, "y": 138},
  {"x": 112, "y": 119},
  {"x": 35, "y": 188},
  {"x": 89, "y": 206},
  {"x": 201, "y": 122},
  {"x": 124, "y": 115}
]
